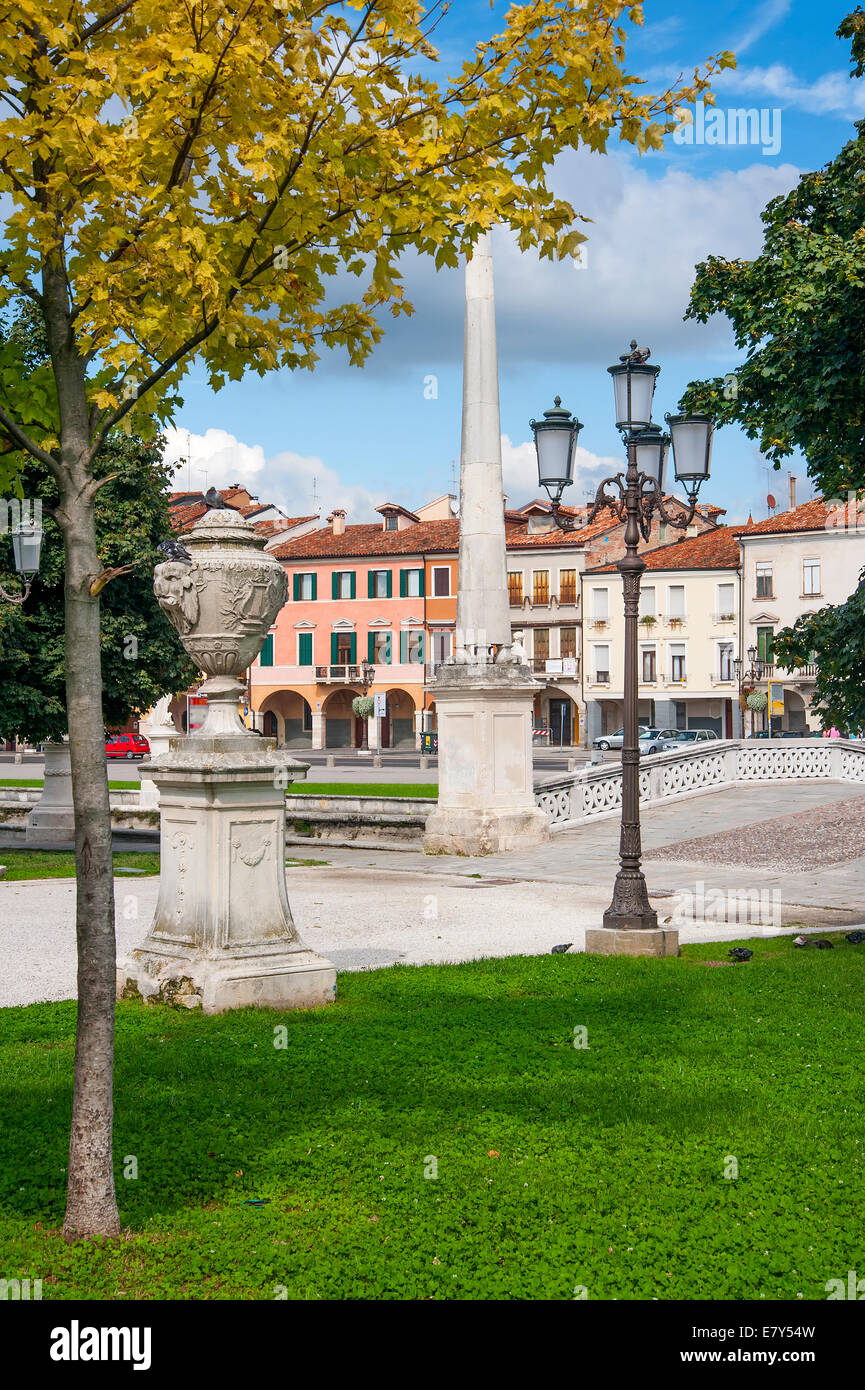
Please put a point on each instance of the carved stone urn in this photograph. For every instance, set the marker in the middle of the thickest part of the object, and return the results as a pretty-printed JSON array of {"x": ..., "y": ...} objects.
[
  {"x": 223, "y": 936},
  {"x": 222, "y": 606}
]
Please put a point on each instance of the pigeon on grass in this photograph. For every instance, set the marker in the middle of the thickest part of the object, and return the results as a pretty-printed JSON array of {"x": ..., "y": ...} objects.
[
  {"x": 855, "y": 937},
  {"x": 740, "y": 953},
  {"x": 560, "y": 950}
]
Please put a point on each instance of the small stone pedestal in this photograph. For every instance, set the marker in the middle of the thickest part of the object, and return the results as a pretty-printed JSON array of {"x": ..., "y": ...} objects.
[
  {"x": 160, "y": 739},
  {"x": 486, "y": 802},
  {"x": 52, "y": 820},
  {"x": 223, "y": 935},
  {"x": 606, "y": 941}
]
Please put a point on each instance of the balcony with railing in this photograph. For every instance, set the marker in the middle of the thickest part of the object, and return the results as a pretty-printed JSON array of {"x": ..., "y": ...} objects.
[{"x": 337, "y": 675}]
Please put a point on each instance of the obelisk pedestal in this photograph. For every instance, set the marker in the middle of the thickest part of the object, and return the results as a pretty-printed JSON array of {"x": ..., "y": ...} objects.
[{"x": 486, "y": 802}]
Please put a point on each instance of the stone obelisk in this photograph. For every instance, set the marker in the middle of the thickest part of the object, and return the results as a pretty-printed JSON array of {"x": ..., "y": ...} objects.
[{"x": 484, "y": 694}]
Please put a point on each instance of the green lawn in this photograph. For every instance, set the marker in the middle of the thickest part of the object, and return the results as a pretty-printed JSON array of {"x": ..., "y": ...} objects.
[
  {"x": 557, "y": 1167},
  {"x": 54, "y": 863},
  {"x": 427, "y": 789},
  {"x": 37, "y": 782}
]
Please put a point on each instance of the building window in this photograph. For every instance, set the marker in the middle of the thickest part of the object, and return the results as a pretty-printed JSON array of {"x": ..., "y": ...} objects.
[
  {"x": 811, "y": 577},
  {"x": 515, "y": 589},
  {"x": 567, "y": 586},
  {"x": 305, "y": 587},
  {"x": 542, "y": 644},
  {"x": 411, "y": 647},
  {"x": 343, "y": 584},
  {"x": 647, "y": 602},
  {"x": 390, "y": 523},
  {"x": 726, "y": 602},
  {"x": 764, "y": 579},
  {"x": 379, "y": 584},
  {"x": 649, "y": 668},
  {"x": 676, "y": 601},
  {"x": 270, "y": 725},
  {"x": 266, "y": 657},
  {"x": 600, "y": 604},
  {"x": 681, "y": 714},
  {"x": 541, "y": 586},
  {"x": 602, "y": 665},
  {"x": 764, "y": 645},
  {"x": 411, "y": 583},
  {"x": 442, "y": 581},
  {"x": 304, "y": 649},
  {"x": 379, "y": 648},
  {"x": 343, "y": 649},
  {"x": 725, "y": 661},
  {"x": 568, "y": 639},
  {"x": 677, "y": 662},
  {"x": 442, "y": 647}
]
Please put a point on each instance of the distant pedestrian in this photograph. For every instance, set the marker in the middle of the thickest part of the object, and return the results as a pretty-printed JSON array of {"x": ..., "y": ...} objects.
[{"x": 833, "y": 732}]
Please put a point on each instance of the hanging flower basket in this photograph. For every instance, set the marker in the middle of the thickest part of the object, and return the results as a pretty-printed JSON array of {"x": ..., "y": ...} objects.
[
  {"x": 363, "y": 706},
  {"x": 758, "y": 699}
]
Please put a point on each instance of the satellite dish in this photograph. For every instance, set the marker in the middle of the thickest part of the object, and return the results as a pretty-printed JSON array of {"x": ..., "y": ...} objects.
[{"x": 770, "y": 502}]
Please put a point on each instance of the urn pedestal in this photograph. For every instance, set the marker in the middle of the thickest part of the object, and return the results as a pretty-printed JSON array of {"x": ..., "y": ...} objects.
[
  {"x": 486, "y": 802},
  {"x": 52, "y": 820},
  {"x": 222, "y": 936}
]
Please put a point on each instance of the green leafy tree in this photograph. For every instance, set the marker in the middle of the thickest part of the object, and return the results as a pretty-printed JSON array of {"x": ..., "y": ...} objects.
[
  {"x": 835, "y": 637},
  {"x": 141, "y": 655}
]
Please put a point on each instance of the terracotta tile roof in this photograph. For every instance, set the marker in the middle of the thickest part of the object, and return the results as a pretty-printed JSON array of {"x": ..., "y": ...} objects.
[
  {"x": 810, "y": 516},
  {"x": 717, "y": 549},
  {"x": 371, "y": 540},
  {"x": 282, "y": 523}
]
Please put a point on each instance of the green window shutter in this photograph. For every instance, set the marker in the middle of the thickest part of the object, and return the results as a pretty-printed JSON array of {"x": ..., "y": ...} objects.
[
  {"x": 370, "y": 647},
  {"x": 266, "y": 658},
  {"x": 315, "y": 586},
  {"x": 403, "y": 583},
  {"x": 334, "y": 585},
  {"x": 420, "y": 646},
  {"x": 421, "y": 577},
  {"x": 353, "y": 588},
  {"x": 370, "y": 584},
  {"x": 389, "y": 650},
  {"x": 353, "y": 649},
  {"x": 389, "y": 583},
  {"x": 297, "y": 588},
  {"x": 304, "y": 653},
  {"x": 334, "y": 649},
  {"x": 403, "y": 642}
]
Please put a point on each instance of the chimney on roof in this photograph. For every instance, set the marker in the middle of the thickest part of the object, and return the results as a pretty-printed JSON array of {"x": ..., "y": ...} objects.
[
  {"x": 337, "y": 521},
  {"x": 792, "y": 491}
]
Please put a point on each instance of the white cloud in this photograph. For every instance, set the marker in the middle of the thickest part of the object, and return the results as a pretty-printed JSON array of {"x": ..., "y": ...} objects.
[
  {"x": 520, "y": 473},
  {"x": 833, "y": 94},
  {"x": 648, "y": 231},
  {"x": 299, "y": 484},
  {"x": 770, "y": 13}
]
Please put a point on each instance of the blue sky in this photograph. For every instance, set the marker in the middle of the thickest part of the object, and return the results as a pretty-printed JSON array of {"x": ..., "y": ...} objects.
[{"x": 350, "y": 437}]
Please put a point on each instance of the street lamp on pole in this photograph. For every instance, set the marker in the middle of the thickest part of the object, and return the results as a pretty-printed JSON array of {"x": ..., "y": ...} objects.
[
  {"x": 750, "y": 677},
  {"x": 26, "y": 547},
  {"x": 638, "y": 497},
  {"x": 367, "y": 677}
]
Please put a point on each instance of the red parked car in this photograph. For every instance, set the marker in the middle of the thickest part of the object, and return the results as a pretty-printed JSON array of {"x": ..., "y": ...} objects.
[{"x": 126, "y": 746}]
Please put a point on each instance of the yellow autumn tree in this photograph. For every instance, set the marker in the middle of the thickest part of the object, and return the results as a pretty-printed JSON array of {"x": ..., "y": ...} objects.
[{"x": 184, "y": 183}]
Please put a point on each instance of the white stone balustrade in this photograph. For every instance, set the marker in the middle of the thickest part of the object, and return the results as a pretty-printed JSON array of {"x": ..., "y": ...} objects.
[{"x": 596, "y": 792}]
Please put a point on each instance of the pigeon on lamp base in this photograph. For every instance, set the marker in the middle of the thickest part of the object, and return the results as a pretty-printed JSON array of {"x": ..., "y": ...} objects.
[
  {"x": 214, "y": 500},
  {"x": 173, "y": 550}
]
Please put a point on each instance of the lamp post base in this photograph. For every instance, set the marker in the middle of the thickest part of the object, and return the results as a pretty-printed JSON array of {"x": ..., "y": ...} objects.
[{"x": 607, "y": 941}]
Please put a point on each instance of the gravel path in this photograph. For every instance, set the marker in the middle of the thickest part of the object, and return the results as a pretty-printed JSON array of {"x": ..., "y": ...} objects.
[{"x": 793, "y": 844}]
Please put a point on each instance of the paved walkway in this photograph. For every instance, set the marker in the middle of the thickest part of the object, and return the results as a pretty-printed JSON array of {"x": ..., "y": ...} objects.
[{"x": 366, "y": 908}]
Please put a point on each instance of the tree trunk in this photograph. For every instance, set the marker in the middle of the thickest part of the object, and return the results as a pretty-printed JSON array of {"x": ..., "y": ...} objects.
[
  {"x": 91, "y": 1207},
  {"x": 91, "y": 1204}
]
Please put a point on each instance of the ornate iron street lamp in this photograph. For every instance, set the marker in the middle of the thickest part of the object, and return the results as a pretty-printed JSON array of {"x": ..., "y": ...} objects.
[
  {"x": 367, "y": 677},
  {"x": 751, "y": 677},
  {"x": 640, "y": 496},
  {"x": 26, "y": 546}
]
